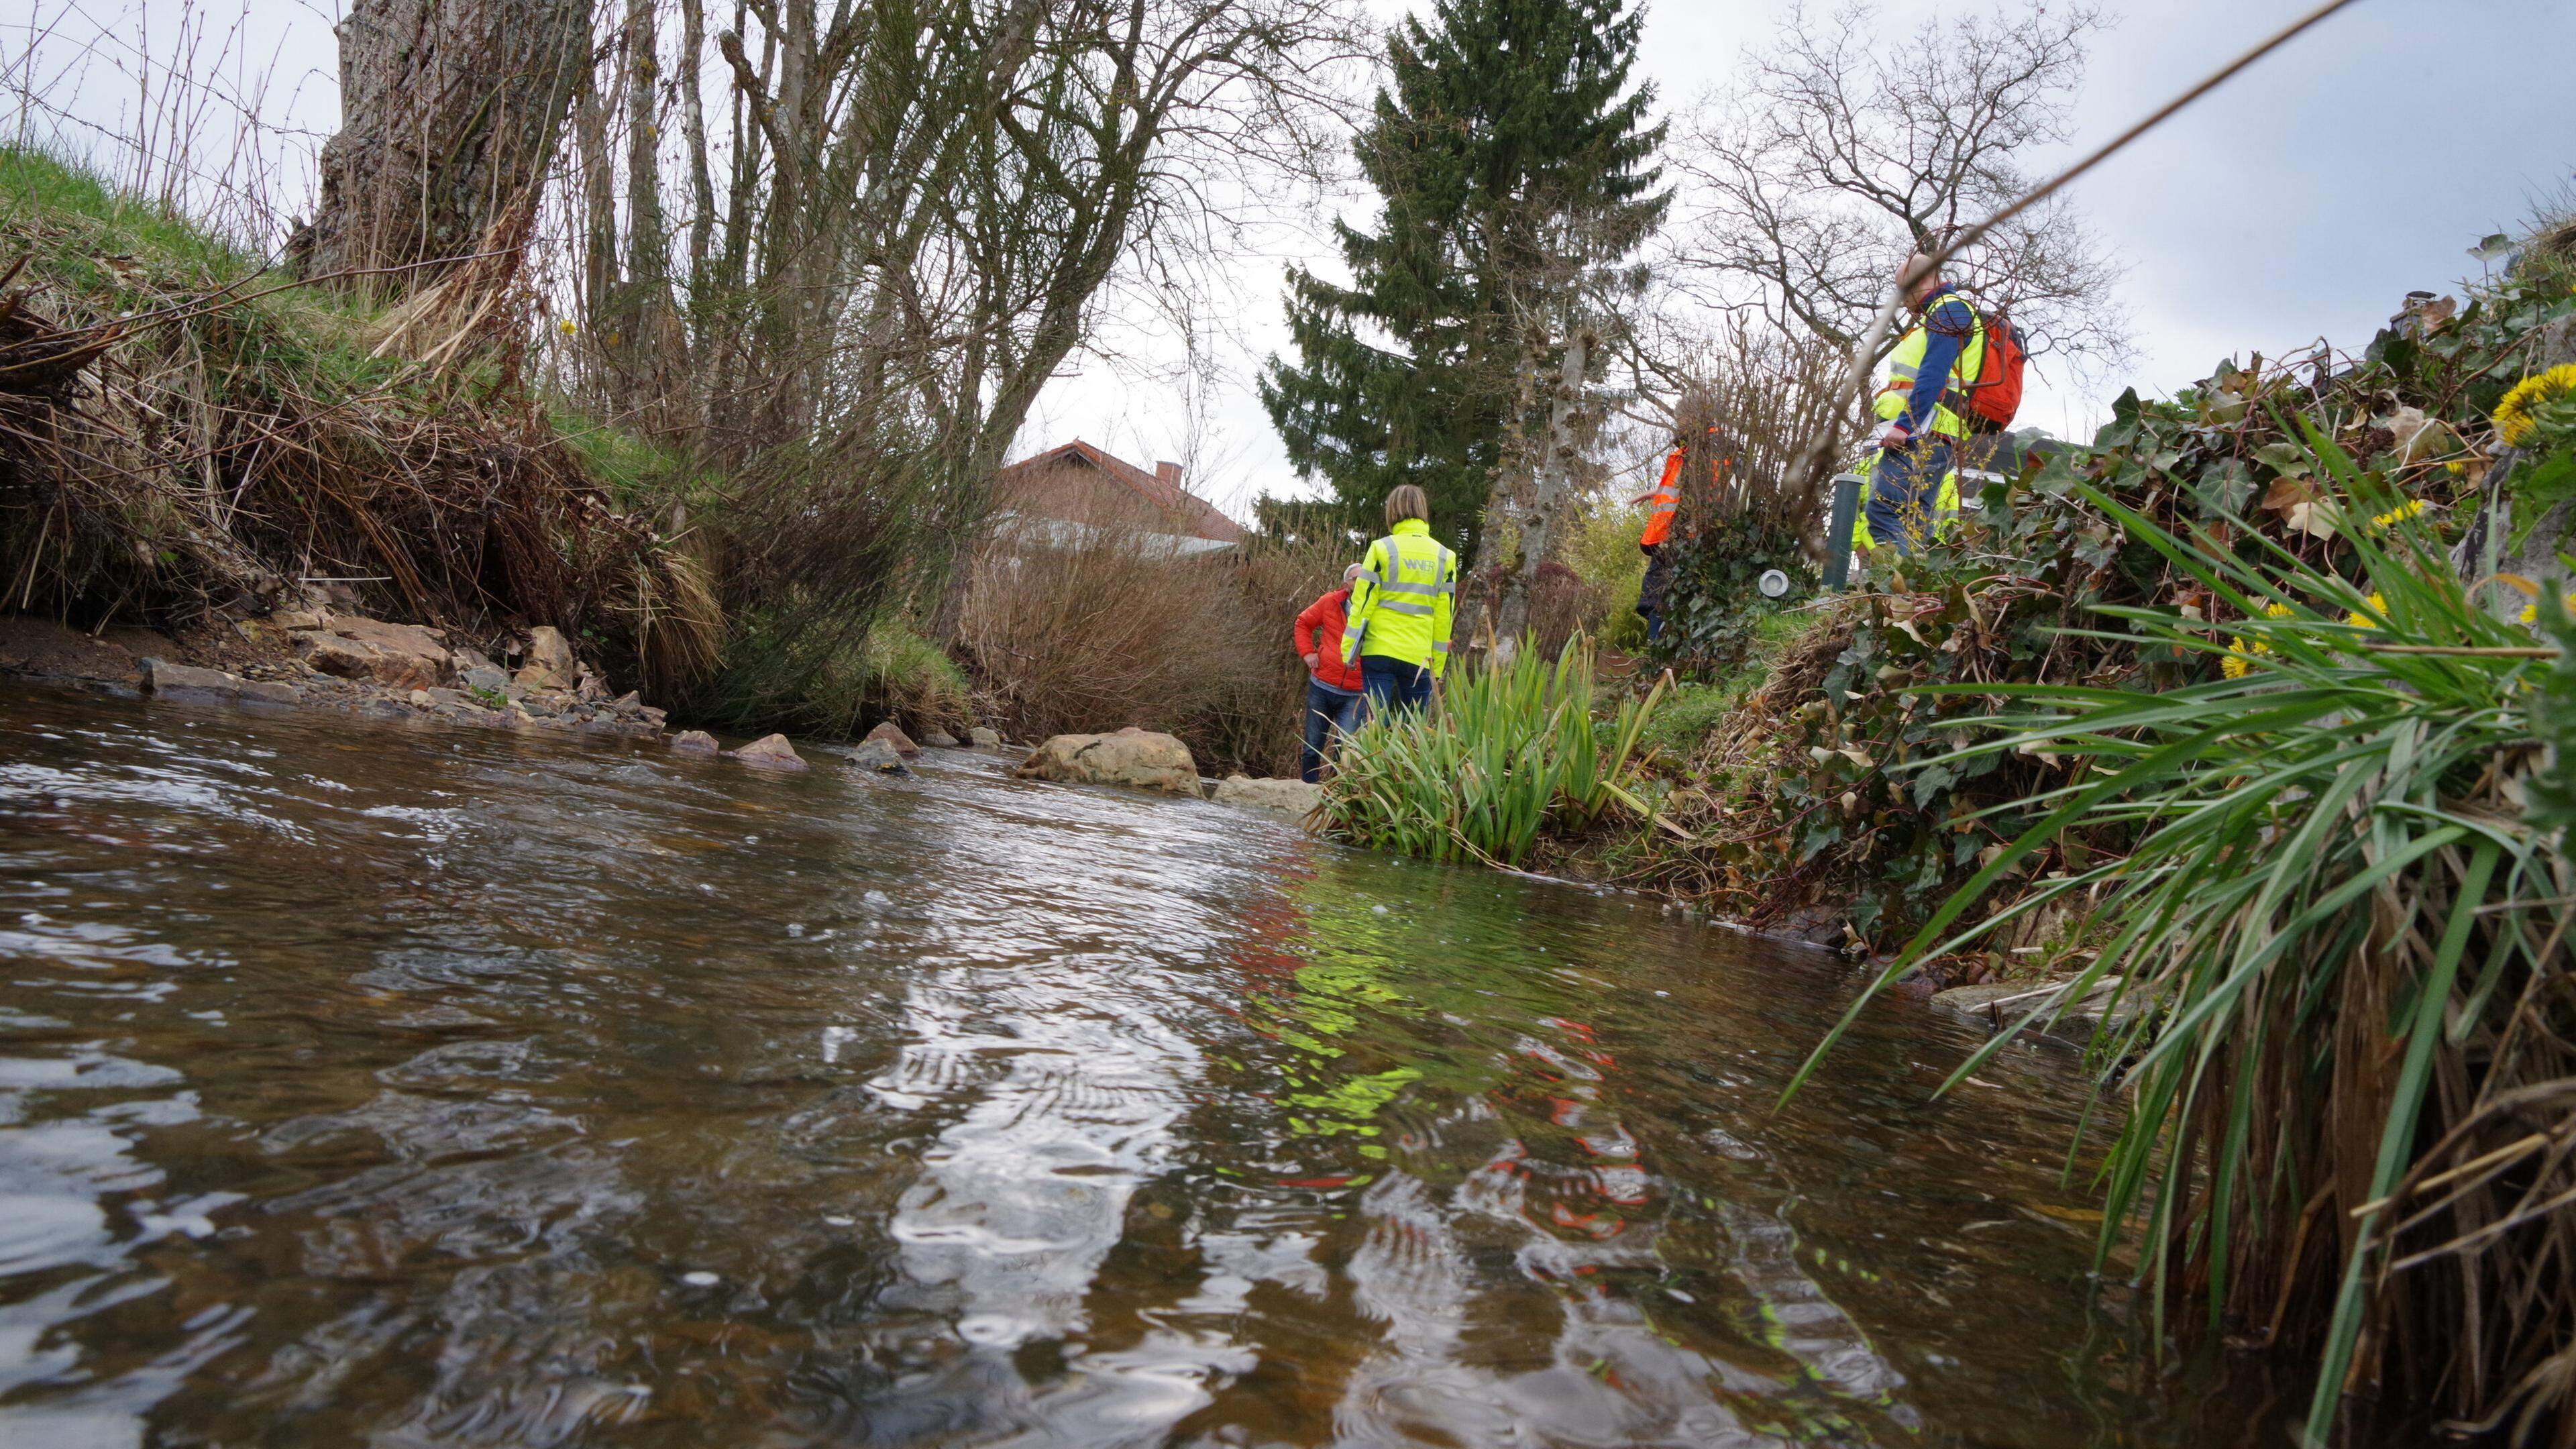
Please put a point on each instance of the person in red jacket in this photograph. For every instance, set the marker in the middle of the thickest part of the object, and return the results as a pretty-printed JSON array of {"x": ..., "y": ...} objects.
[{"x": 1333, "y": 695}]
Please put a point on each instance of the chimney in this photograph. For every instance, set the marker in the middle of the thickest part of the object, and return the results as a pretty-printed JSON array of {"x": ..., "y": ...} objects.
[{"x": 1169, "y": 475}]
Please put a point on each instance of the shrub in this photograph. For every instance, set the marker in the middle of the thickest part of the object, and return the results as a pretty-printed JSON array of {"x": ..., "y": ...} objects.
[
  {"x": 1745, "y": 508},
  {"x": 1124, "y": 631}
]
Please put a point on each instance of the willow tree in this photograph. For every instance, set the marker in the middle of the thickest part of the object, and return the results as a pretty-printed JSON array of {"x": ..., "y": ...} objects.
[{"x": 451, "y": 111}]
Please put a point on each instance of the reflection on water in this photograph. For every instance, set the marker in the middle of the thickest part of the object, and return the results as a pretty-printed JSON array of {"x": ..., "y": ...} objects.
[{"x": 389, "y": 1086}]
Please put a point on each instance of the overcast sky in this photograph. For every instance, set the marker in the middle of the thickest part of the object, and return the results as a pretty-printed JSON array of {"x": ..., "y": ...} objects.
[{"x": 2300, "y": 202}]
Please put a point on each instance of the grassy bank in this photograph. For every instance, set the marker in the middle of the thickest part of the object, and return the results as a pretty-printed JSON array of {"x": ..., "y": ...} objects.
[
  {"x": 188, "y": 437},
  {"x": 191, "y": 438}
]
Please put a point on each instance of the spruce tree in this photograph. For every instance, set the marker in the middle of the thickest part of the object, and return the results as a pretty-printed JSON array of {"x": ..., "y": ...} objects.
[{"x": 1509, "y": 155}]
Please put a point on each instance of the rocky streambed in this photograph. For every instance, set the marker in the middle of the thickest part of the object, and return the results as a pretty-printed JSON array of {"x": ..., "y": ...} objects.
[{"x": 339, "y": 660}]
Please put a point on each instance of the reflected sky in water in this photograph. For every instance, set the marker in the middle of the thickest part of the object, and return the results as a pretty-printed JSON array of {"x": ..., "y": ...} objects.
[{"x": 394, "y": 1086}]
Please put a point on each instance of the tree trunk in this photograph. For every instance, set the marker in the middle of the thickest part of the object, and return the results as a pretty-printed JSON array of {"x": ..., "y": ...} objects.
[
  {"x": 1543, "y": 496},
  {"x": 450, "y": 110}
]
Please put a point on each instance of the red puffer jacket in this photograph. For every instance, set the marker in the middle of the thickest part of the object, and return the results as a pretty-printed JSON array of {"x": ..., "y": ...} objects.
[{"x": 1319, "y": 632}]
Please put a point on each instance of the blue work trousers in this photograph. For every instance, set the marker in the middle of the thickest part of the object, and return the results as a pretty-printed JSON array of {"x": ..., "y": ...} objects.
[
  {"x": 1904, "y": 490},
  {"x": 1394, "y": 684},
  {"x": 1329, "y": 712},
  {"x": 1650, "y": 590}
]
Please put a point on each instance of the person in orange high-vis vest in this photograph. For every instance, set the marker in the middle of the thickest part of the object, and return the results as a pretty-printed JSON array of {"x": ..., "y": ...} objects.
[
  {"x": 1661, "y": 505},
  {"x": 1665, "y": 499}
]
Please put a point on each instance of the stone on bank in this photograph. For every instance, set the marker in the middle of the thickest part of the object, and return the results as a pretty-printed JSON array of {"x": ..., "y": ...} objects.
[{"x": 180, "y": 681}]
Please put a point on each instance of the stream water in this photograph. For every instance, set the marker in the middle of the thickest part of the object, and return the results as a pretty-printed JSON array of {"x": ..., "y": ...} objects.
[{"x": 362, "y": 1084}]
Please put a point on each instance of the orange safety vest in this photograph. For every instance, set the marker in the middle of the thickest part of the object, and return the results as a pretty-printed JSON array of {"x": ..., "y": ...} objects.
[{"x": 1668, "y": 496}]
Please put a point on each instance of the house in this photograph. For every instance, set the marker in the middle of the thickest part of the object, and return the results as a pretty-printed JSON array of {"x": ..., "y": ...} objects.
[{"x": 1070, "y": 496}]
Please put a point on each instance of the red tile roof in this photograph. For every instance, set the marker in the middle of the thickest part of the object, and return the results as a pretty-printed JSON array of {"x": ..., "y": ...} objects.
[{"x": 1164, "y": 493}]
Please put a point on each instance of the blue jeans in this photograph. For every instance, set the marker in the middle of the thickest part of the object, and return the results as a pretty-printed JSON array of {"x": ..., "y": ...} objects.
[
  {"x": 1328, "y": 712},
  {"x": 1393, "y": 684},
  {"x": 1650, "y": 590},
  {"x": 1904, "y": 490}
]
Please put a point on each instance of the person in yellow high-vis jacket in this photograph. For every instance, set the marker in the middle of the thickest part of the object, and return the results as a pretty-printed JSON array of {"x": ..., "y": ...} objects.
[
  {"x": 1403, "y": 605},
  {"x": 1921, "y": 405}
]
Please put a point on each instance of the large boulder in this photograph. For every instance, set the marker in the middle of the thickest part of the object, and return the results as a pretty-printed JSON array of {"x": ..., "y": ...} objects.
[
  {"x": 181, "y": 681},
  {"x": 891, "y": 734},
  {"x": 1286, "y": 797},
  {"x": 693, "y": 742},
  {"x": 1138, "y": 759},
  {"x": 939, "y": 739},
  {"x": 549, "y": 663},
  {"x": 771, "y": 752},
  {"x": 397, "y": 656},
  {"x": 984, "y": 739}
]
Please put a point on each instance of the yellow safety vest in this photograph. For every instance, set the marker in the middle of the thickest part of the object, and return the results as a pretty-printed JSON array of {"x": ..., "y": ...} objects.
[
  {"x": 1907, "y": 361},
  {"x": 1405, "y": 599}
]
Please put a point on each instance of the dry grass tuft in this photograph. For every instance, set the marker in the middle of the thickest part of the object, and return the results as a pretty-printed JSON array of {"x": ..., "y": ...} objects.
[{"x": 1121, "y": 631}]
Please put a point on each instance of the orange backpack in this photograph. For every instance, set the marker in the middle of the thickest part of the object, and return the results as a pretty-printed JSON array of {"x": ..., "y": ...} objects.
[{"x": 1995, "y": 395}]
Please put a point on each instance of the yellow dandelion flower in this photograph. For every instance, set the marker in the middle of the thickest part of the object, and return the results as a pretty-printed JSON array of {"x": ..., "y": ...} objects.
[
  {"x": 2234, "y": 665},
  {"x": 2513, "y": 419},
  {"x": 2278, "y": 611},
  {"x": 2531, "y": 612},
  {"x": 2378, "y": 606},
  {"x": 2398, "y": 514},
  {"x": 567, "y": 327}
]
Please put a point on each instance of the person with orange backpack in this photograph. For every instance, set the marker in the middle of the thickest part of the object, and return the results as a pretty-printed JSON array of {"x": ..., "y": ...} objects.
[{"x": 1954, "y": 377}]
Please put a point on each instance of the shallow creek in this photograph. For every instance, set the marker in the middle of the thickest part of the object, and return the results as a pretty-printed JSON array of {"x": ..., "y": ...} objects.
[{"x": 383, "y": 1085}]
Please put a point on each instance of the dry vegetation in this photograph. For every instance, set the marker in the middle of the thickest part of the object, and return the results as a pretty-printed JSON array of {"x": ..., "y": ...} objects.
[
  {"x": 180, "y": 438},
  {"x": 1126, "y": 632}
]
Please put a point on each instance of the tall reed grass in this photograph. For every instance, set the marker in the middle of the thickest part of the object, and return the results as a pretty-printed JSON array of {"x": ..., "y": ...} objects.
[
  {"x": 1508, "y": 753},
  {"x": 2350, "y": 1070}
]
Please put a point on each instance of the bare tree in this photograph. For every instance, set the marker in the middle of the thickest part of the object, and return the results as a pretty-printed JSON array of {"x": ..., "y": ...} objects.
[
  {"x": 1848, "y": 145},
  {"x": 450, "y": 111}
]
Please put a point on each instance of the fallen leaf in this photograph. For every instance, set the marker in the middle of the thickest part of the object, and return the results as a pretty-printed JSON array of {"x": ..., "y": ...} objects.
[{"x": 2316, "y": 519}]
